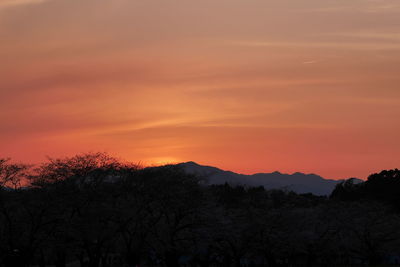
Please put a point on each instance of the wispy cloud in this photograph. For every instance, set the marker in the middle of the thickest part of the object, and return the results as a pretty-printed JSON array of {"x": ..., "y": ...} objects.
[
  {"x": 364, "y": 6},
  {"x": 9, "y": 3},
  {"x": 310, "y": 62},
  {"x": 328, "y": 45},
  {"x": 381, "y": 36}
]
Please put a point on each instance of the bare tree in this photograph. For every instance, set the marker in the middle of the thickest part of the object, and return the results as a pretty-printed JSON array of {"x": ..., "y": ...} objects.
[{"x": 12, "y": 174}]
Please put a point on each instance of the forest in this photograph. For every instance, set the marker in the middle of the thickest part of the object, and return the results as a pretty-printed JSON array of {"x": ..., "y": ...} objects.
[{"x": 94, "y": 210}]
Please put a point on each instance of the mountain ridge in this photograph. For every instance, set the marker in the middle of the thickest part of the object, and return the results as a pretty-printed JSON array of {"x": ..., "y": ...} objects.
[{"x": 298, "y": 182}]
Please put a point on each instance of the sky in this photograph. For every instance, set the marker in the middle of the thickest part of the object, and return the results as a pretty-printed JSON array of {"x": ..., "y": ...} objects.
[{"x": 245, "y": 85}]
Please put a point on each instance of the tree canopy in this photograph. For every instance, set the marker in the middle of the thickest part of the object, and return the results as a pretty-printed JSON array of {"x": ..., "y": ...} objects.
[{"x": 94, "y": 210}]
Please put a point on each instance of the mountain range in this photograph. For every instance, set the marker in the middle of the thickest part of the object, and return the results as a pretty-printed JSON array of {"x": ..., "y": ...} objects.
[{"x": 298, "y": 182}]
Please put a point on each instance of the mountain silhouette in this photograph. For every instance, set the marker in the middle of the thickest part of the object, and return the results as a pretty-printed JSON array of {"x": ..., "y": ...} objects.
[{"x": 298, "y": 182}]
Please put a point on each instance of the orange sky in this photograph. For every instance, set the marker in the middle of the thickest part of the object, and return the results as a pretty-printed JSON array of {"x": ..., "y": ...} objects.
[{"x": 245, "y": 85}]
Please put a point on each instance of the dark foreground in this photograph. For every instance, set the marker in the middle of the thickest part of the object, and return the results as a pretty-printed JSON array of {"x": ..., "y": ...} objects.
[{"x": 92, "y": 210}]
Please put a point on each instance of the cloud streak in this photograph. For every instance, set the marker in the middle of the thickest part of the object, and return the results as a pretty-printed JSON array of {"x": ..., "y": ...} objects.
[
  {"x": 11, "y": 3},
  {"x": 370, "y": 46}
]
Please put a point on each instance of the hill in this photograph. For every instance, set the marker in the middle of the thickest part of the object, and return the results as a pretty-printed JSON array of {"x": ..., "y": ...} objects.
[{"x": 298, "y": 182}]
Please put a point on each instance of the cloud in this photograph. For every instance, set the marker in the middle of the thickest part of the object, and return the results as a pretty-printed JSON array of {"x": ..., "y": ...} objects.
[
  {"x": 361, "y": 6},
  {"x": 9, "y": 3},
  {"x": 371, "y": 46},
  {"x": 369, "y": 35}
]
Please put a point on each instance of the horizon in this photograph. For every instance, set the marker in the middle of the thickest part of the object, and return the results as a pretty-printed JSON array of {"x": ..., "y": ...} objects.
[
  {"x": 247, "y": 86},
  {"x": 166, "y": 163},
  {"x": 264, "y": 172}
]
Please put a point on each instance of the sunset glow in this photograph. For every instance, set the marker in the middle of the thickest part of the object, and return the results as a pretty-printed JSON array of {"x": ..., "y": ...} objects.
[{"x": 245, "y": 85}]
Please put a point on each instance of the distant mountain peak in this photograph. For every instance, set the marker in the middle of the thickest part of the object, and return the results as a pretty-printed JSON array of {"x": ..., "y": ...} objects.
[
  {"x": 189, "y": 163},
  {"x": 298, "y": 182}
]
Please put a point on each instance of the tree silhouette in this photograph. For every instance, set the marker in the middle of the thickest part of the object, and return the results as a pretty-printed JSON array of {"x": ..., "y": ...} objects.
[{"x": 93, "y": 210}]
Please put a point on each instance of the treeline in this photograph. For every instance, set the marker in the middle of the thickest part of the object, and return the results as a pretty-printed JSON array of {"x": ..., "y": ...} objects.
[{"x": 93, "y": 210}]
